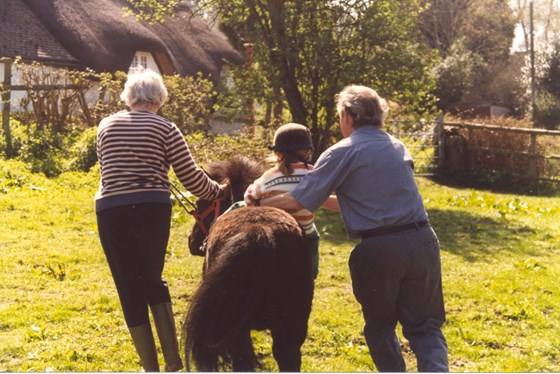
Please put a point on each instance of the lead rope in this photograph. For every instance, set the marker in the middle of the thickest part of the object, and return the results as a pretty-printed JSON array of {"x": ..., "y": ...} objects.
[
  {"x": 199, "y": 217},
  {"x": 180, "y": 197}
]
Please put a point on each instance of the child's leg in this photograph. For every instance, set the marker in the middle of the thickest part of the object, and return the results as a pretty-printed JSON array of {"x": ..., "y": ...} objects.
[
  {"x": 312, "y": 241},
  {"x": 236, "y": 205}
]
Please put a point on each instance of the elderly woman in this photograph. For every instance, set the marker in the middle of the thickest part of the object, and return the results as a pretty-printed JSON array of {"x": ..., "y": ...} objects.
[
  {"x": 395, "y": 268},
  {"x": 135, "y": 149}
]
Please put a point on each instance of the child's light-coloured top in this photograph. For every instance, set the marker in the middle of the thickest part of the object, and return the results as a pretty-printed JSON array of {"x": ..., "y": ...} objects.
[{"x": 273, "y": 181}]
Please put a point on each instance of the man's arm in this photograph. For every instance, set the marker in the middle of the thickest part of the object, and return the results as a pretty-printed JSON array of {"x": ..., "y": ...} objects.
[{"x": 283, "y": 201}]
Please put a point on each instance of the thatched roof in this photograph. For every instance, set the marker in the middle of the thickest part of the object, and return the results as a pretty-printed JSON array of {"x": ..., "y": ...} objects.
[
  {"x": 99, "y": 36},
  {"x": 22, "y": 34}
]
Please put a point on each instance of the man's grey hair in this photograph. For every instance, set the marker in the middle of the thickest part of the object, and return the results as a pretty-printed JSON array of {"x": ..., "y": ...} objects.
[{"x": 363, "y": 104}]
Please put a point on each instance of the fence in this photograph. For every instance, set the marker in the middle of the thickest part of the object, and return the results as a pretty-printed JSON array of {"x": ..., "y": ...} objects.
[
  {"x": 531, "y": 154},
  {"x": 424, "y": 141},
  {"x": 440, "y": 147},
  {"x": 6, "y": 89}
]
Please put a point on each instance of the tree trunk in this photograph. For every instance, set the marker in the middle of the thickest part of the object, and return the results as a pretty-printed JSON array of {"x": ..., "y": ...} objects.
[{"x": 281, "y": 57}]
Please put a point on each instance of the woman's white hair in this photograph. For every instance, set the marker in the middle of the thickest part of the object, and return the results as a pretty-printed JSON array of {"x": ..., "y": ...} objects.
[
  {"x": 144, "y": 86},
  {"x": 363, "y": 104}
]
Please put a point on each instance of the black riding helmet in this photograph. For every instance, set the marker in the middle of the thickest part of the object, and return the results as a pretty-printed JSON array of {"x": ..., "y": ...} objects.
[{"x": 291, "y": 137}]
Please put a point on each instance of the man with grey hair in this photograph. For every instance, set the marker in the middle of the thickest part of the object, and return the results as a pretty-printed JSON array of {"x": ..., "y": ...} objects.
[{"x": 395, "y": 269}]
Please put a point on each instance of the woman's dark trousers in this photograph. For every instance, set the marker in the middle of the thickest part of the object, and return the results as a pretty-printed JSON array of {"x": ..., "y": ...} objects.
[{"x": 134, "y": 239}]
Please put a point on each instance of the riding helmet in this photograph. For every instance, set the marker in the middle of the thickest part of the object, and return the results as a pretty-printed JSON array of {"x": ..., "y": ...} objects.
[{"x": 291, "y": 137}]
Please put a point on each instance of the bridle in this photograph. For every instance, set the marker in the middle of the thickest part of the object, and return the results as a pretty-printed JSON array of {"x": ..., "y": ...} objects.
[{"x": 214, "y": 208}]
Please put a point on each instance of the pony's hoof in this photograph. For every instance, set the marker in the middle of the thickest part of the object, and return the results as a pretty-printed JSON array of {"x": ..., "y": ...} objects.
[{"x": 173, "y": 367}]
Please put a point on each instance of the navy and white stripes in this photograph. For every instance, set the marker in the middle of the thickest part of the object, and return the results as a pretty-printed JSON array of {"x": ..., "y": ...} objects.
[{"x": 135, "y": 151}]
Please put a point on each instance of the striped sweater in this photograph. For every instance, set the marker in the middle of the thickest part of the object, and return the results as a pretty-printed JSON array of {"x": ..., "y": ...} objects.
[
  {"x": 136, "y": 150},
  {"x": 273, "y": 181}
]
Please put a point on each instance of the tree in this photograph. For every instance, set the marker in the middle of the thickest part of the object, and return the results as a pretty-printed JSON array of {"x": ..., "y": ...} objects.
[
  {"x": 488, "y": 30},
  {"x": 486, "y": 27},
  {"x": 152, "y": 11},
  {"x": 441, "y": 22},
  {"x": 546, "y": 37},
  {"x": 547, "y": 111},
  {"x": 474, "y": 38},
  {"x": 309, "y": 50},
  {"x": 545, "y": 21},
  {"x": 455, "y": 75},
  {"x": 550, "y": 80}
]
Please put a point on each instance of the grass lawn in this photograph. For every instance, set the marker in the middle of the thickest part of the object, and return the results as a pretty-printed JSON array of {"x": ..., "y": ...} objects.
[{"x": 59, "y": 310}]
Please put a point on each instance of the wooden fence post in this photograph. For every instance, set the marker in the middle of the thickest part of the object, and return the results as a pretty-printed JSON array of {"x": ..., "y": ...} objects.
[
  {"x": 471, "y": 146},
  {"x": 6, "y": 94},
  {"x": 533, "y": 170},
  {"x": 440, "y": 136}
]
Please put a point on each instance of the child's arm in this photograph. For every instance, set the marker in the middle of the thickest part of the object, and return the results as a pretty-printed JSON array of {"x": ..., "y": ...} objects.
[{"x": 253, "y": 193}]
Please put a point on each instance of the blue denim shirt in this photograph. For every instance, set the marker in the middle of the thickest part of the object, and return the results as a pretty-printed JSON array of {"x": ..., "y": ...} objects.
[{"x": 373, "y": 177}]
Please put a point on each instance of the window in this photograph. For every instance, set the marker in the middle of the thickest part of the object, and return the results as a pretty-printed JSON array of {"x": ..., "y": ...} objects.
[{"x": 141, "y": 60}]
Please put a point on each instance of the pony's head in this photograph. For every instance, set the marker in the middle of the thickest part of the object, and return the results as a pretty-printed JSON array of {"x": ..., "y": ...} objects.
[{"x": 239, "y": 172}]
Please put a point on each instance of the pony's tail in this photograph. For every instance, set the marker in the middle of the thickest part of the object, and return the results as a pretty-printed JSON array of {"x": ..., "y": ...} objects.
[{"x": 227, "y": 299}]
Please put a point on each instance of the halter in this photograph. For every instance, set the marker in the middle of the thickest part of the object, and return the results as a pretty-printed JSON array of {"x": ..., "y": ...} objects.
[{"x": 199, "y": 217}]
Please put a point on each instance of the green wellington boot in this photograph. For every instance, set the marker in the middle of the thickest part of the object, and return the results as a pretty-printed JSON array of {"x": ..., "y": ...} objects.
[
  {"x": 143, "y": 339},
  {"x": 165, "y": 327}
]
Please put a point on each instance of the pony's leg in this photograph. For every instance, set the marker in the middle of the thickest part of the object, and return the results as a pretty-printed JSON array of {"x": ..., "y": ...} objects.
[
  {"x": 286, "y": 346},
  {"x": 242, "y": 353}
]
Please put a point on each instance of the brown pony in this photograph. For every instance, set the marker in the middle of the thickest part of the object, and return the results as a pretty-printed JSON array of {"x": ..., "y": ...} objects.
[{"x": 257, "y": 276}]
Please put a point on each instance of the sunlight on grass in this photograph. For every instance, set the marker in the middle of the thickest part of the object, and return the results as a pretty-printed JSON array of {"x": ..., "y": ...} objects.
[{"x": 59, "y": 310}]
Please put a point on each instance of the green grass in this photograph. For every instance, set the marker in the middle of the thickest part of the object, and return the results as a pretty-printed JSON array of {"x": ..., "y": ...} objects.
[{"x": 59, "y": 310}]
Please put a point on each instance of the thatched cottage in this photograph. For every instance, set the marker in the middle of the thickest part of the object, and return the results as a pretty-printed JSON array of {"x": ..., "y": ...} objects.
[{"x": 96, "y": 34}]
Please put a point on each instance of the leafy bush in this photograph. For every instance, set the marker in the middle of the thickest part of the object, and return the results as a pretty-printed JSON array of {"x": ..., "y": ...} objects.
[
  {"x": 13, "y": 175},
  {"x": 455, "y": 75},
  {"x": 83, "y": 155},
  {"x": 17, "y": 131},
  {"x": 548, "y": 111},
  {"x": 208, "y": 148},
  {"x": 44, "y": 132},
  {"x": 108, "y": 87},
  {"x": 189, "y": 103},
  {"x": 41, "y": 152},
  {"x": 44, "y": 150}
]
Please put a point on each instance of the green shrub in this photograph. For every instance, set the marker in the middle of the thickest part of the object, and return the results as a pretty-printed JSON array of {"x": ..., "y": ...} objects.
[
  {"x": 13, "y": 175},
  {"x": 206, "y": 148},
  {"x": 548, "y": 111},
  {"x": 83, "y": 155},
  {"x": 42, "y": 148},
  {"x": 17, "y": 132},
  {"x": 189, "y": 103},
  {"x": 41, "y": 153}
]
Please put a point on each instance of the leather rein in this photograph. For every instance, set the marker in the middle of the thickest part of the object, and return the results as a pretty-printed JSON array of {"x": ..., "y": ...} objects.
[{"x": 214, "y": 208}]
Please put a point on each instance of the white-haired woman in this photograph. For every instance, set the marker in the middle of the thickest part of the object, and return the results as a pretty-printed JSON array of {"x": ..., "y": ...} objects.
[
  {"x": 136, "y": 149},
  {"x": 395, "y": 269}
]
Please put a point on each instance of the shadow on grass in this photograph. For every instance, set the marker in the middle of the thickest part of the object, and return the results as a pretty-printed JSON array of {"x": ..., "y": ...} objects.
[
  {"x": 479, "y": 238},
  {"x": 473, "y": 237},
  {"x": 500, "y": 185}
]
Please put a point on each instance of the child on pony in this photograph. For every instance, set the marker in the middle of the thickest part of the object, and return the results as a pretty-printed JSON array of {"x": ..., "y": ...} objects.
[{"x": 292, "y": 148}]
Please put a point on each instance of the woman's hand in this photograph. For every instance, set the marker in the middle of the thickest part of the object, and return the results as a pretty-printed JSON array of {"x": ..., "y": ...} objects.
[{"x": 225, "y": 190}]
